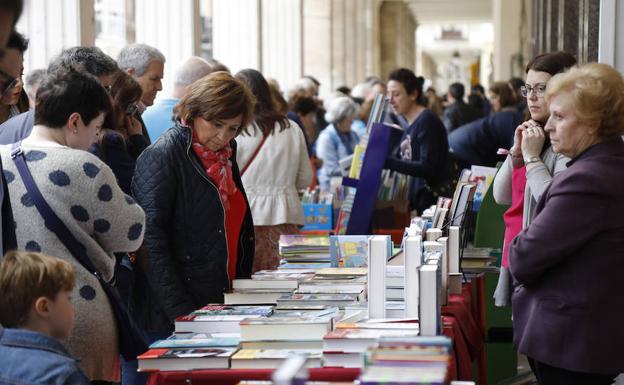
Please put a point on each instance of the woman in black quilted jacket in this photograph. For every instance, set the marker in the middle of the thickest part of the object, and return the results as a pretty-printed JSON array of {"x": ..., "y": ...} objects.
[{"x": 199, "y": 232}]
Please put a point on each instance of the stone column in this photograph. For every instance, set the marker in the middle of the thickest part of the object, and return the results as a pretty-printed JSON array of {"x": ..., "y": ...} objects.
[
  {"x": 398, "y": 37},
  {"x": 54, "y": 25},
  {"x": 171, "y": 27},
  {"x": 506, "y": 20}
]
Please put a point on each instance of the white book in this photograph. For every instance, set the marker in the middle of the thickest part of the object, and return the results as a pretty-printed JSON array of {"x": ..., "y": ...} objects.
[
  {"x": 433, "y": 234},
  {"x": 379, "y": 247},
  {"x": 429, "y": 315},
  {"x": 246, "y": 284},
  {"x": 441, "y": 218},
  {"x": 453, "y": 249},
  {"x": 444, "y": 271},
  {"x": 413, "y": 260},
  {"x": 254, "y": 297}
]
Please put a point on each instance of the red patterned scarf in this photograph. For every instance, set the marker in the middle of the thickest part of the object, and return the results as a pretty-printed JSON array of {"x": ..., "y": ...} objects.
[{"x": 218, "y": 167}]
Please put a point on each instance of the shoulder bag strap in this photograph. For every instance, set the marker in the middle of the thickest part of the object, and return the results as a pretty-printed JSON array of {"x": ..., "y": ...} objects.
[
  {"x": 52, "y": 221},
  {"x": 250, "y": 161},
  {"x": 9, "y": 240}
]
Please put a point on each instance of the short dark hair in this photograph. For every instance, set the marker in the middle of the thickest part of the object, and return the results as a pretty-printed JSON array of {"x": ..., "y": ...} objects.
[
  {"x": 477, "y": 87},
  {"x": 552, "y": 62},
  {"x": 411, "y": 82},
  {"x": 14, "y": 6},
  {"x": 305, "y": 105},
  {"x": 89, "y": 59},
  {"x": 457, "y": 91},
  {"x": 18, "y": 41},
  {"x": 503, "y": 90},
  {"x": 266, "y": 113},
  {"x": 516, "y": 83},
  {"x": 66, "y": 91}
]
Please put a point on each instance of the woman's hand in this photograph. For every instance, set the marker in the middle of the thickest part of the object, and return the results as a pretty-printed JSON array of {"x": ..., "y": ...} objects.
[
  {"x": 133, "y": 126},
  {"x": 532, "y": 140},
  {"x": 516, "y": 149}
]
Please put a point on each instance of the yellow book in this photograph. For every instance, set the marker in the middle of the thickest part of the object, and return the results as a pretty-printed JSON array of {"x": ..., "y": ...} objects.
[{"x": 356, "y": 163}]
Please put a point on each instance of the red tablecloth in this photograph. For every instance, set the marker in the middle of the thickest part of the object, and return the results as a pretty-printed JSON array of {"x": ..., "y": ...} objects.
[
  {"x": 233, "y": 376},
  {"x": 460, "y": 325},
  {"x": 458, "y": 321}
]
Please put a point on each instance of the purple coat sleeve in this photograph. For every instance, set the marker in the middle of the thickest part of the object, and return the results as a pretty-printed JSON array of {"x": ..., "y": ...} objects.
[{"x": 569, "y": 214}]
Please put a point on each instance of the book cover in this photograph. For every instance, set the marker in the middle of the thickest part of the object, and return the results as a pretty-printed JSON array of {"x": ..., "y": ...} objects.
[
  {"x": 217, "y": 309},
  {"x": 349, "y": 250},
  {"x": 194, "y": 340}
]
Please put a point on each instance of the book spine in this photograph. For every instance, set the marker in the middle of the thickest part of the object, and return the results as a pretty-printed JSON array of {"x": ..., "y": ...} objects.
[
  {"x": 378, "y": 246},
  {"x": 453, "y": 249},
  {"x": 413, "y": 260},
  {"x": 429, "y": 315},
  {"x": 444, "y": 270}
]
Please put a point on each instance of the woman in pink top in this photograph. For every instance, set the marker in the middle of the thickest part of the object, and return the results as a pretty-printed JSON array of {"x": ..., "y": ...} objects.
[{"x": 531, "y": 163}]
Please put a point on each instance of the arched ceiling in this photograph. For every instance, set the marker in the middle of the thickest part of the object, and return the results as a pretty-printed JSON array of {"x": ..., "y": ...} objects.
[{"x": 451, "y": 11}]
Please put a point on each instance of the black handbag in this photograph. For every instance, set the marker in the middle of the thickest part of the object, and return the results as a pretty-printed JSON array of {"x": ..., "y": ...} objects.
[{"x": 131, "y": 340}]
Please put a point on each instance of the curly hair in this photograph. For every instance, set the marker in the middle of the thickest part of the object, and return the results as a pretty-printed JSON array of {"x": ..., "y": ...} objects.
[{"x": 597, "y": 92}]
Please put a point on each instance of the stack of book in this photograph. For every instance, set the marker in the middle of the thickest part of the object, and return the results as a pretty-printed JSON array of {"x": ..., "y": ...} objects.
[
  {"x": 304, "y": 251},
  {"x": 347, "y": 344},
  {"x": 403, "y": 360},
  {"x": 219, "y": 318},
  {"x": 267, "y": 342}
]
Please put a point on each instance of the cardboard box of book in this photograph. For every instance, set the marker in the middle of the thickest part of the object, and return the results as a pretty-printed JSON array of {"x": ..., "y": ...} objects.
[{"x": 317, "y": 216}]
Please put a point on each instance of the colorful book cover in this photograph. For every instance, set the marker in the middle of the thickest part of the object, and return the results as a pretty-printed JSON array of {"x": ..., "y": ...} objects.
[
  {"x": 317, "y": 216},
  {"x": 358, "y": 160},
  {"x": 349, "y": 250},
  {"x": 194, "y": 340},
  {"x": 222, "y": 310}
]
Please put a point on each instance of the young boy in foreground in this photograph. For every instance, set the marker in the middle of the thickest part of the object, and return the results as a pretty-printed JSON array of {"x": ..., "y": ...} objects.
[{"x": 35, "y": 313}]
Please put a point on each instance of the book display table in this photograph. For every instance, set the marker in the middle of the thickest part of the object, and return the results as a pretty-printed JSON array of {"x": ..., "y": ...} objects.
[
  {"x": 233, "y": 376},
  {"x": 459, "y": 324}
]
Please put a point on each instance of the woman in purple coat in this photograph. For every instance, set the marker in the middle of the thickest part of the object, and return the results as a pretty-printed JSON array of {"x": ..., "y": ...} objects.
[{"x": 568, "y": 308}]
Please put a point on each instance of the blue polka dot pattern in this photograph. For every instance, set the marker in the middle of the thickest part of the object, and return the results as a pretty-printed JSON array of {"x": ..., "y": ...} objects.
[
  {"x": 105, "y": 194},
  {"x": 27, "y": 200},
  {"x": 34, "y": 155},
  {"x": 59, "y": 178},
  {"x": 135, "y": 231},
  {"x": 101, "y": 225},
  {"x": 33, "y": 246},
  {"x": 87, "y": 292},
  {"x": 90, "y": 169},
  {"x": 79, "y": 213},
  {"x": 10, "y": 177},
  {"x": 129, "y": 200}
]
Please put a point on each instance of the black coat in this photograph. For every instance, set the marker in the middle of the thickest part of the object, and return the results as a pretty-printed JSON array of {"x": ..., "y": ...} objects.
[{"x": 186, "y": 265}]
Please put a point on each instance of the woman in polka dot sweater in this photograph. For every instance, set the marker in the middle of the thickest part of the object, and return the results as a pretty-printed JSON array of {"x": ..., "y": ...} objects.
[{"x": 83, "y": 192}]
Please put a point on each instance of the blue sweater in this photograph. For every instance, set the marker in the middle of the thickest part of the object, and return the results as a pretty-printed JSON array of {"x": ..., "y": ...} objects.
[
  {"x": 429, "y": 161},
  {"x": 476, "y": 143}
]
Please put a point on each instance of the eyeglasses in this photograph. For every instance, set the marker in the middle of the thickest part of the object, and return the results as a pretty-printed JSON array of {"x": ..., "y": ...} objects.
[
  {"x": 537, "y": 90},
  {"x": 11, "y": 85},
  {"x": 132, "y": 108}
]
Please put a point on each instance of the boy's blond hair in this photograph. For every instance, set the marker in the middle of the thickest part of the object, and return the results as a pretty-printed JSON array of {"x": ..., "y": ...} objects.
[{"x": 26, "y": 276}]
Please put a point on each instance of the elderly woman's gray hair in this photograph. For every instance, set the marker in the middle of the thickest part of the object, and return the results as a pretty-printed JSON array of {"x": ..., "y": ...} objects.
[
  {"x": 138, "y": 57},
  {"x": 340, "y": 108}
]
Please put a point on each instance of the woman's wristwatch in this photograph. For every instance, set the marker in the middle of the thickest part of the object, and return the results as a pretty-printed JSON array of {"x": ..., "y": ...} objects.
[{"x": 533, "y": 159}]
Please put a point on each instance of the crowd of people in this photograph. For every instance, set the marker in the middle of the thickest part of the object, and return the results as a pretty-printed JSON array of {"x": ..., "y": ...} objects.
[{"x": 171, "y": 198}]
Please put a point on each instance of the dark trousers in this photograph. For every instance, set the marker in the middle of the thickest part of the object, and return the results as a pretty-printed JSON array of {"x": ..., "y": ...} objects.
[{"x": 550, "y": 375}]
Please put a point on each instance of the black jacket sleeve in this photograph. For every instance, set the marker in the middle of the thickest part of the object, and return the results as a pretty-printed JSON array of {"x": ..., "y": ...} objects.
[{"x": 154, "y": 188}]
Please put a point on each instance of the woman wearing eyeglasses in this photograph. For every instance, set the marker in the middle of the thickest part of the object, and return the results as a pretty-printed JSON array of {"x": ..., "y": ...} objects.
[
  {"x": 531, "y": 163},
  {"x": 13, "y": 100}
]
